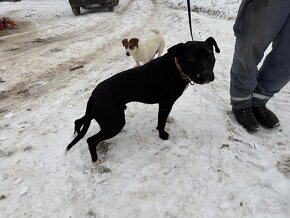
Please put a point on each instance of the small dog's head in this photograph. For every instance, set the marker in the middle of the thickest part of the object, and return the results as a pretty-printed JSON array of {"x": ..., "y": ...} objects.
[
  {"x": 196, "y": 59},
  {"x": 131, "y": 46}
]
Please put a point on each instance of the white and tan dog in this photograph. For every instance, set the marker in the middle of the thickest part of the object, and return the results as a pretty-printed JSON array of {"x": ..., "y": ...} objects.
[{"x": 144, "y": 51}]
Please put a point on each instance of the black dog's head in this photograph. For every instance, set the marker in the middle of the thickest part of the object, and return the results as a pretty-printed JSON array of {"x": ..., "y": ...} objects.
[{"x": 196, "y": 59}]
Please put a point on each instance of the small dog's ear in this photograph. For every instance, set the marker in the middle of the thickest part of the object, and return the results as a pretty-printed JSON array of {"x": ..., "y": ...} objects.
[
  {"x": 211, "y": 41},
  {"x": 125, "y": 43},
  {"x": 175, "y": 50},
  {"x": 134, "y": 41}
]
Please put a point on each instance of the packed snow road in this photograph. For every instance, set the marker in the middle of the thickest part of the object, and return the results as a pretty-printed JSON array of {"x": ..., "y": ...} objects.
[
  {"x": 47, "y": 50},
  {"x": 210, "y": 166}
]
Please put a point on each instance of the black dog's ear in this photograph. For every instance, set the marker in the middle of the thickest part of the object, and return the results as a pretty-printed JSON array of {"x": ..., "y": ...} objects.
[
  {"x": 211, "y": 41},
  {"x": 175, "y": 50}
]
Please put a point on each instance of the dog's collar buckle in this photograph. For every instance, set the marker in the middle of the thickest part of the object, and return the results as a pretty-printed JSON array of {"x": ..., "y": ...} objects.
[
  {"x": 186, "y": 78},
  {"x": 182, "y": 74}
]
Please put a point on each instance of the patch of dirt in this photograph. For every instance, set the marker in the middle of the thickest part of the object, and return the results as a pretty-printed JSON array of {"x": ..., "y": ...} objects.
[
  {"x": 103, "y": 148},
  {"x": 24, "y": 26}
]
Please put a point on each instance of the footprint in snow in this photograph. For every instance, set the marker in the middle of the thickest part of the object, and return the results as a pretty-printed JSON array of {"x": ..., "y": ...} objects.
[{"x": 284, "y": 166}]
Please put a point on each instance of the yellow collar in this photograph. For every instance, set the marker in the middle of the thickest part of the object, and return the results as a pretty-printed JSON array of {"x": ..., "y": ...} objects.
[
  {"x": 178, "y": 65},
  {"x": 182, "y": 74}
]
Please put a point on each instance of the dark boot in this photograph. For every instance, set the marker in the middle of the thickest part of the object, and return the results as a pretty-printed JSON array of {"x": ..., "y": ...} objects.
[
  {"x": 266, "y": 117},
  {"x": 246, "y": 118}
]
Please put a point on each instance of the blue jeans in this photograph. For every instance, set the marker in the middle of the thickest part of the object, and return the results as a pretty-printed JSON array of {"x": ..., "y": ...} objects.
[{"x": 260, "y": 23}]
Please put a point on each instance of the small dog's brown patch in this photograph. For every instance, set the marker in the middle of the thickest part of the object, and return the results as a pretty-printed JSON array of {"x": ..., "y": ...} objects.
[{"x": 133, "y": 43}]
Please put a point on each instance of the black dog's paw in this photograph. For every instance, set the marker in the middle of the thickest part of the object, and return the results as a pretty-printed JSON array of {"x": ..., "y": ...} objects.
[
  {"x": 94, "y": 158},
  {"x": 163, "y": 135}
]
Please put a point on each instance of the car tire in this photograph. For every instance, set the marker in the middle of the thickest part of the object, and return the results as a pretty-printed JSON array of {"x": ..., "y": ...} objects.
[
  {"x": 111, "y": 6},
  {"x": 116, "y": 2},
  {"x": 76, "y": 10}
]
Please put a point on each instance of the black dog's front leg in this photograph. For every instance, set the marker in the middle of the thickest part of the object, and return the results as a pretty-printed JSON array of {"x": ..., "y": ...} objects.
[{"x": 163, "y": 113}]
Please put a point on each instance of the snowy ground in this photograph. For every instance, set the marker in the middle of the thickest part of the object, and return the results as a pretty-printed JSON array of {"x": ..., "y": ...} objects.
[{"x": 210, "y": 166}]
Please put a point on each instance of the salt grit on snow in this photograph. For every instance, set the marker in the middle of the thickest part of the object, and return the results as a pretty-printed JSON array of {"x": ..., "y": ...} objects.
[{"x": 210, "y": 166}]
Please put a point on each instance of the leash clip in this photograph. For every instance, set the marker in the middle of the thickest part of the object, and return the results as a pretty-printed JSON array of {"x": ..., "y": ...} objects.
[
  {"x": 186, "y": 78},
  {"x": 182, "y": 74}
]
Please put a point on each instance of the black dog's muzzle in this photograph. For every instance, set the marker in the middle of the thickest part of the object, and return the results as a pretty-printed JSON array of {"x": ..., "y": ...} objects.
[
  {"x": 127, "y": 53},
  {"x": 205, "y": 76}
]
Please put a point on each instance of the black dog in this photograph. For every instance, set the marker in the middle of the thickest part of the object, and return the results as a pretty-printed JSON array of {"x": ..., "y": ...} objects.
[{"x": 161, "y": 81}]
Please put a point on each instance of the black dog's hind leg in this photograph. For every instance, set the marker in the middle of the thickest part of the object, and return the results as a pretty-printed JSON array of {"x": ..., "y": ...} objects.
[
  {"x": 110, "y": 127},
  {"x": 93, "y": 142},
  {"x": 78, "y": 124},
  {"x": 163, "y": 113}
]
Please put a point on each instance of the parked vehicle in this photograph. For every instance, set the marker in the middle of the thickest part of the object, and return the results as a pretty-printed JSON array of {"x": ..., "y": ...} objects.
[{"x": 76, "y": 5}]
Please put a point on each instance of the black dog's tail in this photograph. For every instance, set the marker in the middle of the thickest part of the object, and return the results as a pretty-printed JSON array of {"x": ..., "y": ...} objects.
[{"x": 86, "y": 125}]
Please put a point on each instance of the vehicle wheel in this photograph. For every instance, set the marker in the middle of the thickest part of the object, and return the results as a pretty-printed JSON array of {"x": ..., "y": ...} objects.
[
  {"x": 111, "y": 6},
  {"x": 116, "y": 2},
  {"x": 76, "y": 10}
]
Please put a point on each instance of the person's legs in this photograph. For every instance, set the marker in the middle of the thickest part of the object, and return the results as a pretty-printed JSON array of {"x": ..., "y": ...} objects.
[
  {"x": 275, "y": 71},
  {"x": 258, "y": 24},
  {"x": 273, "y": 76}
]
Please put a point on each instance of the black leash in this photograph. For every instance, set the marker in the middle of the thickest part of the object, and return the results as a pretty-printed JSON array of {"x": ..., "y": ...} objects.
[{"x": 189, "y": 18}]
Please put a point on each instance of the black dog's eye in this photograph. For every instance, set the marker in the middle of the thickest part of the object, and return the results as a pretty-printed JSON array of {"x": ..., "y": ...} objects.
[
  {"x": 192, "y": 58},
  {"x": 211, "y": 57},
  {"x": 131, "y": 47},
  {"x": 206, "y": 53}
]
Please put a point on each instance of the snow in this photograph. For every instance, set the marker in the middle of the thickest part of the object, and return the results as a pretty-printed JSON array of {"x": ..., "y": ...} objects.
[{"x": 209, "y": 167}]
